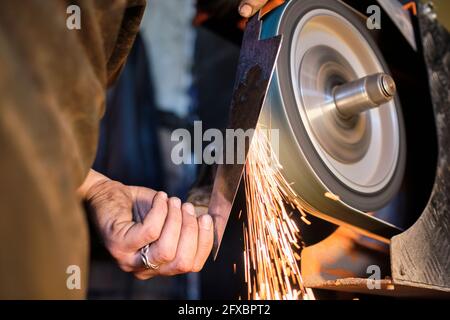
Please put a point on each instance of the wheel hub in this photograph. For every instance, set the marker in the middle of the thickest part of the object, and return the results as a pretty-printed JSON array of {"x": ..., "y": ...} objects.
[{"x": 361, "y": 150}]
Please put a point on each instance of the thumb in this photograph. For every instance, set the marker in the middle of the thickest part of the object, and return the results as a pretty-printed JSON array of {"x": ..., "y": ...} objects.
[
  {"x": 248, "y": 8},
  {"x": 139, "y": 234}
]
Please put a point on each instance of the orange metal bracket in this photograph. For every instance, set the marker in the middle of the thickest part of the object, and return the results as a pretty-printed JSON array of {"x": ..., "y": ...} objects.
[
  {"x": 411, "y": 6},
  {"x": 272, "y": 4}
]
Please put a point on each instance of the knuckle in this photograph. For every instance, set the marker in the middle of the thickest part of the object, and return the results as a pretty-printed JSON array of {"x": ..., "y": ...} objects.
[
  {"x": 158, "y": 209},
  {"x": 176, "y": 214},
  {"x": 177, "y": 219},
  {"x": 190, "y": 225},
  {"x": 141, "y": 276},
  {"x": 152, "y": 233},
  {"x": 183, "y": 266},
  {"x": 197, "y": 267},
  {"x": 161, "y": 194},
  {"x": 164, "y": 254},
  {"x": 125, "y": 268},
  {"x": 115, "y": 250}
]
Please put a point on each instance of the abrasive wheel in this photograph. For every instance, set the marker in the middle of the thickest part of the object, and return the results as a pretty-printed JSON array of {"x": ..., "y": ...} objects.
[{"x": 341, "y": 129}]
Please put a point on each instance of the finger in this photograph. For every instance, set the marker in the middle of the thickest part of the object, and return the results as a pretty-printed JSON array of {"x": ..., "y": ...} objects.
[
  {"x": 140, "y": 270},
  {"x": 205, "y": 241},
  {"x": 220, "y": 214},
  {"x": 187, "y": 245},
  {"x": 247, "y": 8},
  {"x": 141, "y": 234},
  {"x": 143, "y": 201},
  {"x": 145, "y": 275},
  {"x": 204, "y": 246},
  {"x": 164, "y": 249},
  {"x": 132, "y": 262}
]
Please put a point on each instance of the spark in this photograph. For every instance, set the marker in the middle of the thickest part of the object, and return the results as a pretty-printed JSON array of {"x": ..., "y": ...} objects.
[{"x": 272, "y": 238}]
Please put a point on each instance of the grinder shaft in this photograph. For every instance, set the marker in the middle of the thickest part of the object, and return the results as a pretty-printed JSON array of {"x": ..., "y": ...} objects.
[{"x": 363, "y": 94}]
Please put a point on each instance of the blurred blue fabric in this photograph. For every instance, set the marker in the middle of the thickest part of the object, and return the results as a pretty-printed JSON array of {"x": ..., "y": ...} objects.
[{"x": 128, "y": 148}]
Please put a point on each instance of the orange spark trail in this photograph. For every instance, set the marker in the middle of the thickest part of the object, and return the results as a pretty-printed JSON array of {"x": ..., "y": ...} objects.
[{"x": 271, "y": 238}]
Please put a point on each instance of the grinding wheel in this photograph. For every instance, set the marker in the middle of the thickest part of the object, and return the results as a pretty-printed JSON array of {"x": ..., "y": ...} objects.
[
  {"x": 358, "y": 159},
  {"x": 311, "y": 69}
]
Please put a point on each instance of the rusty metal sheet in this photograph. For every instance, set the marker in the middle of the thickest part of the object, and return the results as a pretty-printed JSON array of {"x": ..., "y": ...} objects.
[{"x": 255, "y": 69}]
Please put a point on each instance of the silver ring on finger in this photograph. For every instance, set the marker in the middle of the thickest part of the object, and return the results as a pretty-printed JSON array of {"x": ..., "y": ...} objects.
[{"x": 145, "y": 260}]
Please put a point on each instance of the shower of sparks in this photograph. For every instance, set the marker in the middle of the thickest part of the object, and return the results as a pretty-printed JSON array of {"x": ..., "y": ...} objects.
[{"x": 271, "y": 237}]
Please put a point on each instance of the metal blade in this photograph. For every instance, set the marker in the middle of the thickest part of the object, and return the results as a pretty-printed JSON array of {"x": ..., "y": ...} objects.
[{"x": 256, "y": 65}]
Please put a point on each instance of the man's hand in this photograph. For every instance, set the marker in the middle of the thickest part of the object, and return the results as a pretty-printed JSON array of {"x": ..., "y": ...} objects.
[
  {"x": 248, "y": 8},
  {"x": 179, "y": 241}
]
